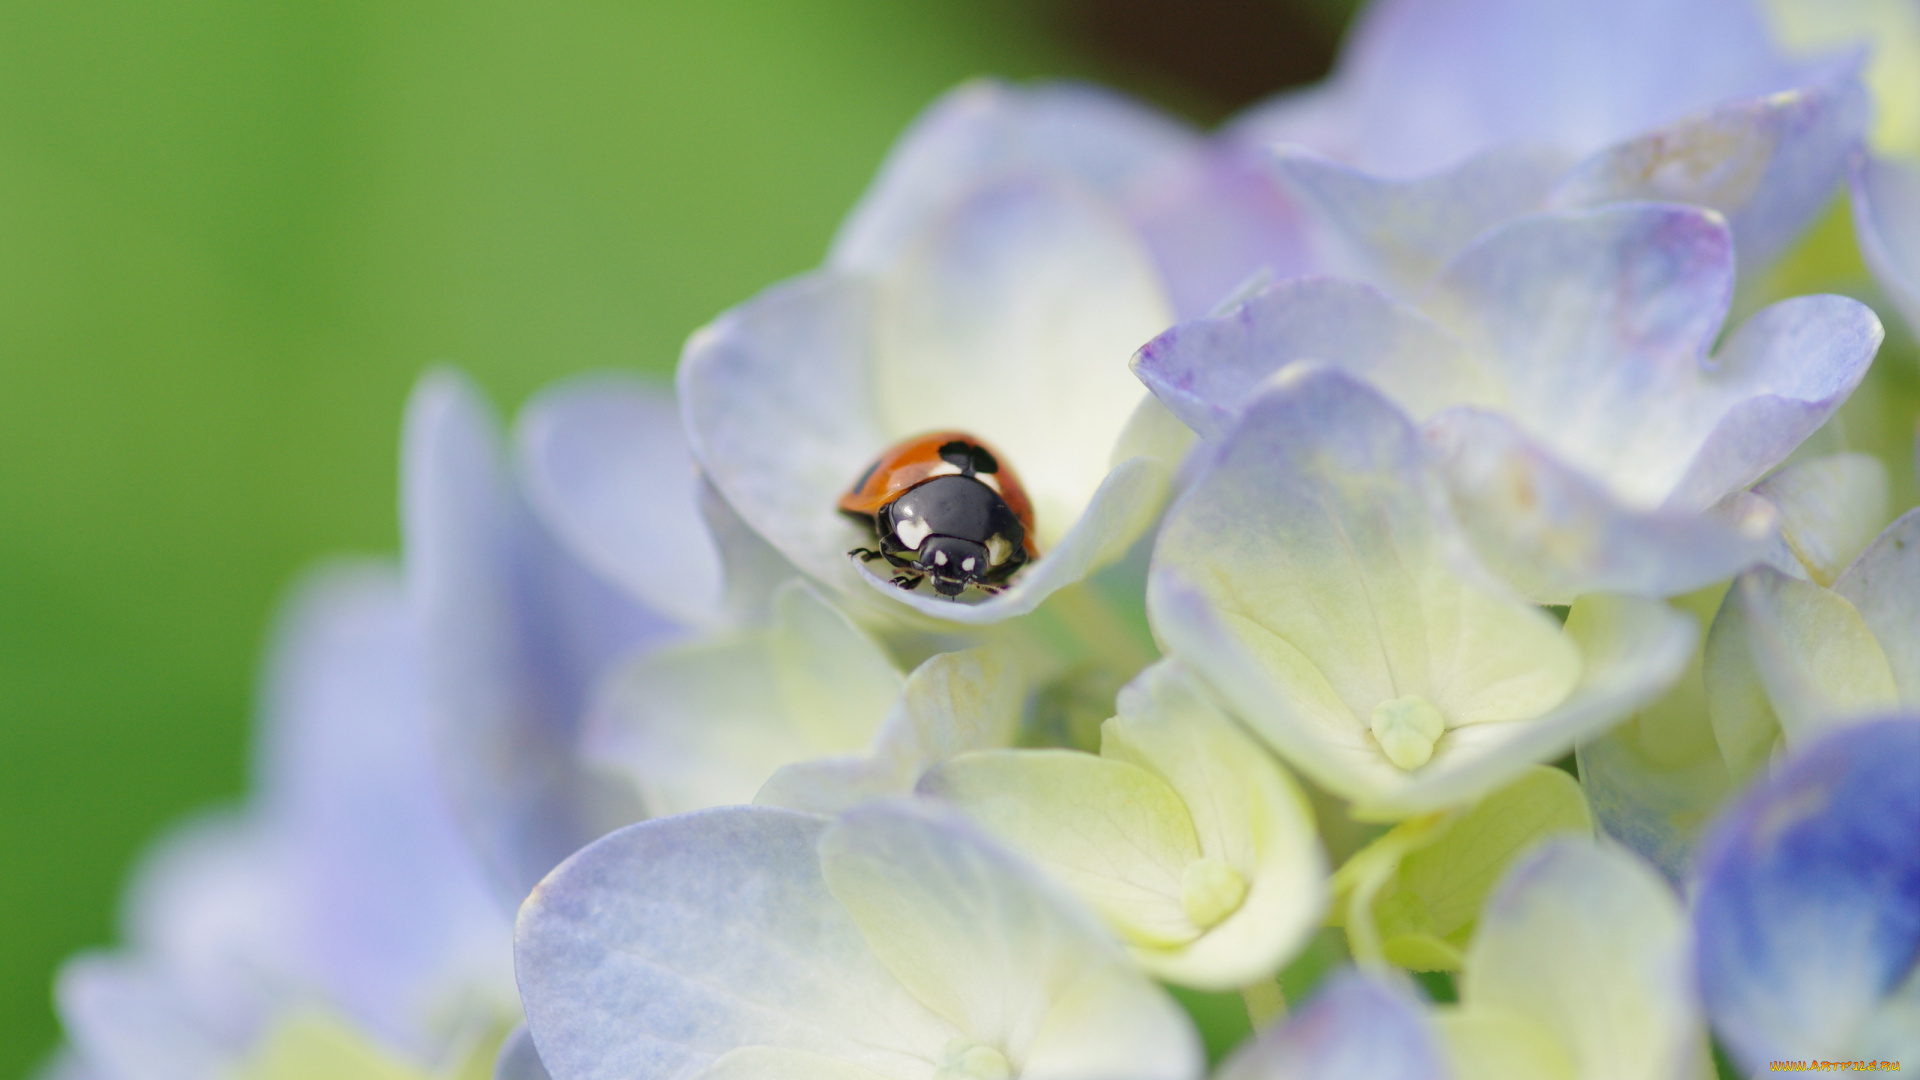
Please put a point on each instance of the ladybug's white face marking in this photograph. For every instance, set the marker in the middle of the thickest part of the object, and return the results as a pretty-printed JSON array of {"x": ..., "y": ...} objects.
[
  {"x": 911, "y": 532},
  {"x": 967, "y": 564},
  {"x": 939, "y": 558},
  {"x": 990, "y": 480},
  {"x": 948, "y": 468},
  {"x": 998, "y": 549}
]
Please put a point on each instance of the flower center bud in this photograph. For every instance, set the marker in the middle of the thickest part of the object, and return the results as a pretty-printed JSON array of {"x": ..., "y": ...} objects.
[
  {"x": 1210, "y": 890},
  {"x": 964, "y": 1059},
  {"x": 1406, "y": 729}
]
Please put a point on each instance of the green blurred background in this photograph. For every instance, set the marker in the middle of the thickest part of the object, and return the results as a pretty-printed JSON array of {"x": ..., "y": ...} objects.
[{"x": 231, "y": 234}]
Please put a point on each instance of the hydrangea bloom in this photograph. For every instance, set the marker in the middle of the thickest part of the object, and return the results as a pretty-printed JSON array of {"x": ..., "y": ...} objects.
[
  {"x": 339, "y": 921},
  {"x": 883, "y": 843}
]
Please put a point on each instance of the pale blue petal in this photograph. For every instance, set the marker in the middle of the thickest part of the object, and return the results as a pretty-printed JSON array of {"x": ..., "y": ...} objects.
[
  {"x": 515, "y": 633},
  {"x": 986, "y": 130},
  {"x": 607, "y": 471},
  {"x": 518, "y": 1059},
  {"x": 1397, "y": 234},
  {"x": 384, "y": 902},
  {"x": 664, "y": 945},
  {"x": 1215, "y": 219},
  {"x": 131, "y": 1024},
  {"x": 1355, "y": 1026},
  {"x": 1555, "y": 533},
  {"x": 1773, "y": 381},
  {"x": 346, "y": 884},
  {"x": 1206, "y": 370},
  {"x": 1591, "y": 320},
  {"x": 1807, "y": 907},
  {"x": 1599, "y": 324},
  {"x": 1886, "y": 219},
  {"x": 1422, "y": 84},
  {"x": 1770, "y": 164}
]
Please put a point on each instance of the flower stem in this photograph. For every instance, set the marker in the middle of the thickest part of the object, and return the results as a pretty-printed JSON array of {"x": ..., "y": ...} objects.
[{"x": 1266, "y": 1002}]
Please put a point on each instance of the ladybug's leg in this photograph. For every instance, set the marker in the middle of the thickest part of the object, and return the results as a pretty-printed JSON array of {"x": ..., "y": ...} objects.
[
  {"x": 909, "y": 582},
  {"x": 864, "y": 554}
]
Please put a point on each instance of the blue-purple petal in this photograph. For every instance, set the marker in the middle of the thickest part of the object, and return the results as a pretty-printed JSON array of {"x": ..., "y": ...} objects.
[{"x": 1807, "y": 906}]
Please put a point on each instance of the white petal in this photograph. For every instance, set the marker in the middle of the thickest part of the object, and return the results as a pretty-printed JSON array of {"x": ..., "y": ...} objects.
[
  {"x": 1493, "y": 1044},
  {"x": 954, "y": 703},
  {"x": 1830, "y": 509},
  {"x": 706, "y": 723},
  {"x": 1115, "y": 833},
  {"x": 1246, "y": 811},
  {"x": 661, "y": 947},
  {"x": 1815, "y": 656},
  {"x": 778, "y": 401},
  {"x": 1012, "y": 318},
  {"x": 1588, "y": 943},
  {"x": 607, "y": 469},
  {"x": 1884, "y": 586},
  {"x": 1000, "y": 953}
]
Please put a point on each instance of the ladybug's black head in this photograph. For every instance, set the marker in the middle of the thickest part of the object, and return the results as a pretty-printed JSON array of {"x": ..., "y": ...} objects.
[{"x": 953, "y": 563}]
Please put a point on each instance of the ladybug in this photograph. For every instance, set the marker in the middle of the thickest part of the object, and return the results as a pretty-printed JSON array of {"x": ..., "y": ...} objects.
[{"x": 944, "y": 507}]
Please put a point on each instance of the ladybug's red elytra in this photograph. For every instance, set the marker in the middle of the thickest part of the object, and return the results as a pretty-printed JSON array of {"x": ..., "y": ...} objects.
[{"x": 944, "y": 506}]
